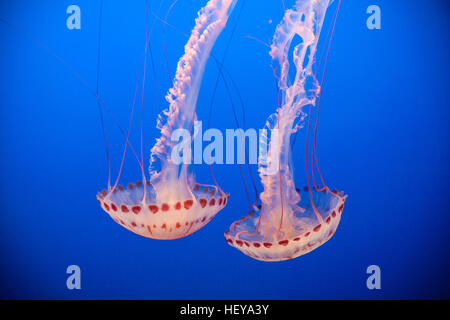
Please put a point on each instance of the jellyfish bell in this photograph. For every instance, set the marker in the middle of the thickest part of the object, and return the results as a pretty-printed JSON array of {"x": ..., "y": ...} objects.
[
  {"x": 290, "y": 222},
  {"x": 170, "y": 204},
  {"x": 175, "y": 218},
  {"x": 300, "y": 233}
]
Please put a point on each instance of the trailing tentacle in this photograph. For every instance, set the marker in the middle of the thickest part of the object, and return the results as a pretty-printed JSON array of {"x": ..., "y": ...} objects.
[
  {"x": 182, "y": 97},
  {"x": 304, "y": 21}
]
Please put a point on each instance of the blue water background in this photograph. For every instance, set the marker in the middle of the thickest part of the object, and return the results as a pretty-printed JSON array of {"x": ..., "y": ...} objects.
[{"x": 383, "y": 139}]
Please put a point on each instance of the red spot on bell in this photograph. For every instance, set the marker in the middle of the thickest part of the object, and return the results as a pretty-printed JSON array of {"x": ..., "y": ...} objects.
[
  {"x": 188, "y": 204},
  {"x": 220, "y": 201},
  {"x": 105, "y": 205},
  {"x": 256, "y": 244},
  {"x": 124, "y": 208},
  {"x": 307, "y": 234},
  {"x": 212, "y": 202},
  {"x": 267, "y": 244},
  {"x": 177, "y": 206},
  {"x": 297, "y": 239},
  {"x": 202, "y": 202},
  {"x": 239, "y": 242},
  {"x": 333, "y": 214},
  {"x": 283, "y": 242},
  {"x": 328, "y": 220},
  {"x": 165, "y": 207},
  {"x": 136, "y": 209},
  {"x": 317, "y": 228},
  {"x": 113, "y": 206},
  {"x": 178, "y": 225},
  {"x": 153, "y": 208}
]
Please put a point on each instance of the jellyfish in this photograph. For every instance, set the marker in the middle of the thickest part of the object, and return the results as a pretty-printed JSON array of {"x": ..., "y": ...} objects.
[
  {"x": 170, "y": 204},
  {"x": 290, "y": 222}
]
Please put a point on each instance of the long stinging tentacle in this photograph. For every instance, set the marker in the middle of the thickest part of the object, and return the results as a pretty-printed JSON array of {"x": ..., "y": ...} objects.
[{"x": 182, "y": 97}]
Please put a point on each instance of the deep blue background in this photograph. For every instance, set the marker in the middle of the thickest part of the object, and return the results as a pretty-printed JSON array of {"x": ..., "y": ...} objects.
[{"x": 383, "y": 139}]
